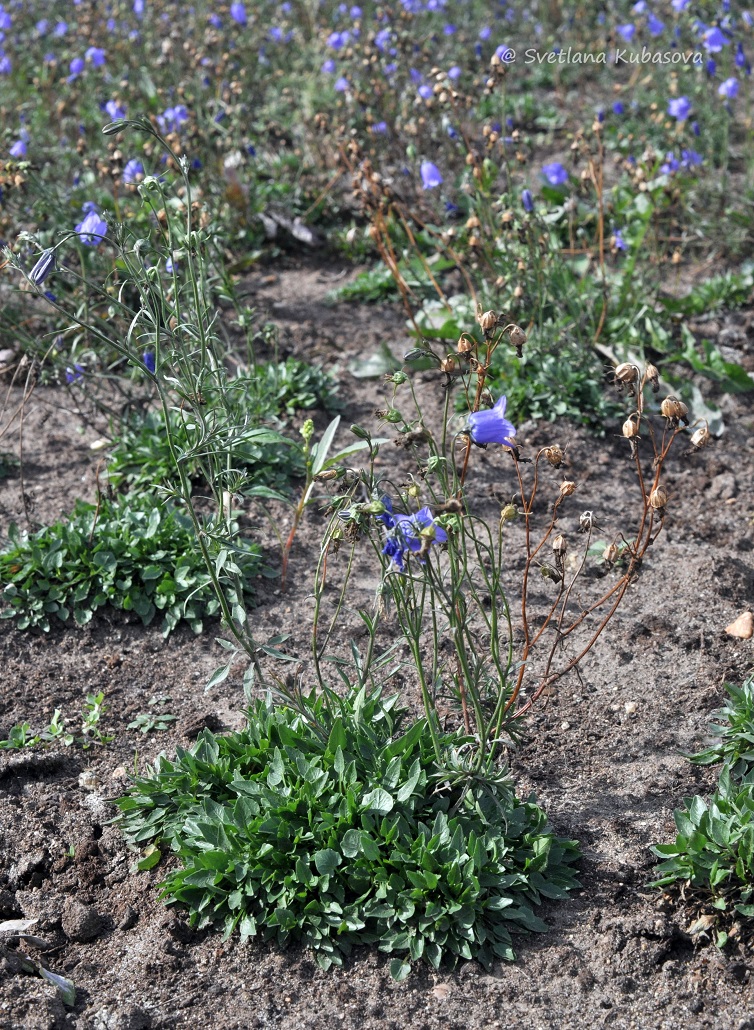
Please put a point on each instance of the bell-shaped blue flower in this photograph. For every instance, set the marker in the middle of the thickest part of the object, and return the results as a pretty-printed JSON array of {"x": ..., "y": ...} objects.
[{"x": 491, "y": 426}]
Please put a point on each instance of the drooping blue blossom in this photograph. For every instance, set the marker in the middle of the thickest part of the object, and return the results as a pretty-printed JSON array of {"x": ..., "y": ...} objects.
[
  {"x": 171, "y": 267},
  {"x": 76, "y": 67},
  {"x": 679, "y": 5},
  {"x": 617, "y": 240},
  {"x": 18, "y": 149},
  {"x": 215, "y": 21},
  {"x": 73, "y": 374},
  {"x": 431, "y": 177},
  {"x": 729, "y": 88},
  {"x": 619, "y": 107},
  {"x": 91, "y": 229},
  {"x": 149, "y": 362},
  {"x": 342, "y": 85},
  {"x": 710, "y": 66},
  {"x": 491, "y": 426},
  {"x": 454, "y": 73},
  {"x": 238, "y": 13},
  {"x": 60, "y": 29},
  {"x": 96, "y": 55},
  {"x": 679, "y": 108},
  {"x": 485, "y": 32},
  {"x": 6, "y": 65},
  {"x": 133, "y": 169},
  {"x": 379, "y": 127},
  {"x": 527, "y": 200},
  {"x": 173, "y": 118},
  {"x": 655, "y": 26},
  {"x": 329, "y": 66},
  {"x": 43, "y": 267},
  {"x": 408, "y": 534},
  {"x": 690, "y": 159},
  {"x": 555, "y": 173},
  {"x": 639, "y": 7},
  {"x": 425, "y": 91},
  {"x": 626, "y": 32},
  {"x": 714, "y": 40},
  {"x": 114, "y": 110},
  {"x": 670, "y": 165}
]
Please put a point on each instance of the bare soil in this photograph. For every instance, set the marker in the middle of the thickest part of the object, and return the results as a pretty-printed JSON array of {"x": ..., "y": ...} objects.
[{"x": 604, "y": 755}]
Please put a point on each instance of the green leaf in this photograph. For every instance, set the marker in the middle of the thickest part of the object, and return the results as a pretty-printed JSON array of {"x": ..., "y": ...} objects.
[
  {"x": 327, "y": 860},
  {"x": 399, "y": 969},
  {"x": 378, "y": 800},
  {"x": 150, "y": 858}
]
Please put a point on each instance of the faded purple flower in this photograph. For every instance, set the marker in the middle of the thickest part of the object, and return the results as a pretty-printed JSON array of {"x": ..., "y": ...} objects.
[
  {"x": 431, "y": 176},
  {"x": 148, "y": 359}
]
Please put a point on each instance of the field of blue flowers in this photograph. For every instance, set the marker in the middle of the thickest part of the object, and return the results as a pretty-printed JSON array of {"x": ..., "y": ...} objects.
[{"x": 377, "y": 511}]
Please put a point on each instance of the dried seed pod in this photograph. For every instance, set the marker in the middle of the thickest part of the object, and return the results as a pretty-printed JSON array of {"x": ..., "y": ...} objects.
[
  {"x": 652, "y": 376},
  {"x": 631, "y": 427},
  {"x": 658, "y": 499},
  {"x": 559, "y": 546},
  {"x": 567, "y": 487},
  {"x": 675, "y": 411},
  {"x": 448, "y": 364},
  {"x": 518, "y": 338},
  {"x": 465, "y": 344},
  {"x": 611, "y": 554},
  {"x": 487, "y": 321},
  {"x": 701, "y": 438},
  {"x": 626, "y": 374},
  {"x": 586, "y": 522},
  {"x": 554, "y": 456}
]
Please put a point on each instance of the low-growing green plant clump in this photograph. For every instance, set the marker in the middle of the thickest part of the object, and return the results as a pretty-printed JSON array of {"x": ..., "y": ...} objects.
[
  {"x": 58, "y": 730},
  {"x": 711, "y": 860},
  {"x": 332, "y": 824},
  {"x": 136, "y": 555},
  {"x": 712, "y": 857},
  {"x": 734, "y": 730}
]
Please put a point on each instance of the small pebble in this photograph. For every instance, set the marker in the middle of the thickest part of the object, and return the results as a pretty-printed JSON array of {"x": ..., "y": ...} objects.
[
  {"x": 565, "y": 725},
  {"x": 630, "y": 707}
]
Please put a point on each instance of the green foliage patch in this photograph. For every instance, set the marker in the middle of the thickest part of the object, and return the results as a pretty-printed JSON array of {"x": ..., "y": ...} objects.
[
  {"x": 141, "y": 457},
  {"x": 331, "y": 824},
  {"x": 137, "y": 555},
  {"x": 734, "y": 730},
  {"x": 712, "y": 857}
]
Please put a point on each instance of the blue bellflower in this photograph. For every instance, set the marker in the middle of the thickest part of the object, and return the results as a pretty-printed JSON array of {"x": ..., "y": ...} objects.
[
  {"x": 555, "y": 173},
  {"x": 679, "y": 108},
  {"x": 409, "y": 534},
  {"x": 491, "y": 426},
  {"x": 431, "y": 176},
  {"x": 91, "y": 229}
]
